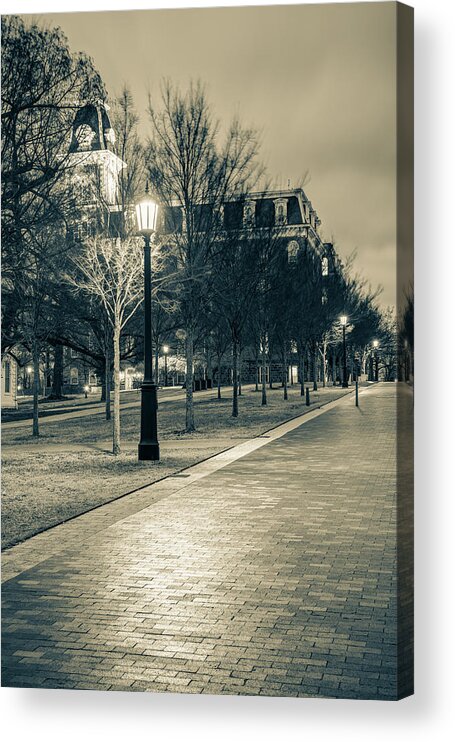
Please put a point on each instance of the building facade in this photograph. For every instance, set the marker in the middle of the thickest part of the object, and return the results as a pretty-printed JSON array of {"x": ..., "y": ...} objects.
[
  {"x": 287, "y": 218},
  {"x": 9, "y": 382}
]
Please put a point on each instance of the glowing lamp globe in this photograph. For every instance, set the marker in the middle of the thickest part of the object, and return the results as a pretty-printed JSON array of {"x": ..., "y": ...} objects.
[{"x": 146, "y": 216}]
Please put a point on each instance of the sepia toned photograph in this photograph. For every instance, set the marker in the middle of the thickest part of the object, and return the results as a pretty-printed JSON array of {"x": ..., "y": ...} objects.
[{"x": 208, "y": 350}]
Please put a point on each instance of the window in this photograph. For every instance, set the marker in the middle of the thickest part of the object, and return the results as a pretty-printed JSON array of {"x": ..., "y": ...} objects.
[
  {"x": 267, "y": 374},
  {"x": 325, "y": 266},
  {"x": 173, "y": 219},
  {"x": 293, "y": 250},
  {"x": 7, "y": 376},
  {"x": 265, "y": 213},
  {"x": 264, "y": 344},
  {"x": 248, "y": 213},
  {"x": 74, "y": 376},
  {"x": 233, "y": 215},
  {"x": 82, "y": 230},
  {"x": 293, "y": 211},
  {"x": 324, "y": 296}
]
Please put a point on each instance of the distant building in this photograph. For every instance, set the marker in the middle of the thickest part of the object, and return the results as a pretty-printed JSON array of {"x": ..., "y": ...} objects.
[
  {"x": 291, "y": 214},
  {"x": 93, "y": 171},
  {"x": 9, "y": 382}
]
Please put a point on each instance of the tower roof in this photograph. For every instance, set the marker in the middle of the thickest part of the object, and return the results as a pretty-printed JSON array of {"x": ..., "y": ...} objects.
[{"x": 92, "y": 129}]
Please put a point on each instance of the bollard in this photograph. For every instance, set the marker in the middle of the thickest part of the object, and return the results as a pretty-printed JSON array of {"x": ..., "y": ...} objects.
[
  {"x": 307, "y": 397},
  {"x": 356, "y": 393}
]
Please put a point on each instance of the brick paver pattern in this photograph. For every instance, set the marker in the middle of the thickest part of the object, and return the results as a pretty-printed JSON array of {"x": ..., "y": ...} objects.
[{"x": 275, "y": 575}]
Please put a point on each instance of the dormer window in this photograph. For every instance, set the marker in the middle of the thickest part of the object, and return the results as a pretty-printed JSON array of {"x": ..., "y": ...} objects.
[
  {"x": 248, "y": 213},
  {"x": 280, "y": 211}
]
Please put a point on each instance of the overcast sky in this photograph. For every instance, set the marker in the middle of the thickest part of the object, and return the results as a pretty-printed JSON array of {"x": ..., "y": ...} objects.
[{"x": 319, "y": 81}]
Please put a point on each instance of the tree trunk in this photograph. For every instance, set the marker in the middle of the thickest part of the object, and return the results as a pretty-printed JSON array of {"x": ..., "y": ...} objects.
[
  {"x": 315, "y": 368},
  {"x": 107, "y": 381},
  {"x": 240, "y": 373},
  {"x": 264, "y": 375},
  {"x": 116, "y": 425},
  {"x": 189, "y": 412},
  {"x": 334, "y": 368},
  {"x": 57, "y": 377},
  {"x": 256, "y": 380},
  {"x": 218, "y": 377},
  {"x": 47, "y": 375},
  {"x": 235, "y": 401},
  {"x": 323, "y": 362},
  {"x": 35, "y": 356},
  {"x": 209, "y": 367},
  {"x": 285, "y": 374},
  {"x": 302, "y": 374}
]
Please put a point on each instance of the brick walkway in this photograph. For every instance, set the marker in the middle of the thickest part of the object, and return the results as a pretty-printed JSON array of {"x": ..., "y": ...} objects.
[{"x": 274, "y": 575}]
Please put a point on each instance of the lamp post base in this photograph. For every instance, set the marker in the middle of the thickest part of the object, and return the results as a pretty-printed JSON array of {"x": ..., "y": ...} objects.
[{"x": 149, "y": 451}]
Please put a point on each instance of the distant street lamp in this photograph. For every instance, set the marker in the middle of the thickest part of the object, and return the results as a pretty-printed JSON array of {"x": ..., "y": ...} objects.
[
  {"x": 149, "y": 449},
  {"x": 376, "y": 360},
  {"x": 29, "y": 371},
  {"x": 86, "y": 390},
  {"x": 165, "y": 351},
  {"x": 344, "y": 321}
]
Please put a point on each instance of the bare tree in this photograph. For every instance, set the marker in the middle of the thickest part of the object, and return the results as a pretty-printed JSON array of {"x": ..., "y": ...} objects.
[
  {"x": 129, "y": 148},
  {"x": 42, "y": 86},
  {"x": 112, "y": 271},
  {"x": 194, "y": 174}
]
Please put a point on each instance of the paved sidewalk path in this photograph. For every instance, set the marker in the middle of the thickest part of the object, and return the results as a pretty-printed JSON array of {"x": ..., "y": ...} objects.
[{"x": 274, "y": 575}]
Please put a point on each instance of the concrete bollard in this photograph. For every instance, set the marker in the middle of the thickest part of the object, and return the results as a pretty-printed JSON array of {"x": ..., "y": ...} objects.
[{"x": 307, "y": 397}]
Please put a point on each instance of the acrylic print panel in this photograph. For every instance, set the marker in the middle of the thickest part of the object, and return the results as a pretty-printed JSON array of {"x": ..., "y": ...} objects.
[{"x": 207, "y": 413}]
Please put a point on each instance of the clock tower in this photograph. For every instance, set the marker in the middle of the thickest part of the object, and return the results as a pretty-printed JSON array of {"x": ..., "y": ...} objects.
[{"x": 95, "y": 167}]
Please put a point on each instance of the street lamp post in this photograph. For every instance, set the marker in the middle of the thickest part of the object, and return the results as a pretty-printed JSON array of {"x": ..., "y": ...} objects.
[
  {"x": 149, "y": 449},
  {"x": 165, "y": 351},
  {"x": 376, "y": 360},
  {"x": 344, "y": 321}
]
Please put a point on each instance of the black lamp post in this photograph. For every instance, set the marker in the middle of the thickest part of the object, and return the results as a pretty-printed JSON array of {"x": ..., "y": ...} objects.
[
  {"x": 376, "y": 360},
  {"x": 165, "y": 351},
  {"x": 149, "y": 448},
  {"x": 344, "y": 321}
]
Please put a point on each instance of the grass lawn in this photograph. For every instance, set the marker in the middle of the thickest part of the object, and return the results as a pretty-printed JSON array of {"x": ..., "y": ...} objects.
[{"x": 70, "y": 468}]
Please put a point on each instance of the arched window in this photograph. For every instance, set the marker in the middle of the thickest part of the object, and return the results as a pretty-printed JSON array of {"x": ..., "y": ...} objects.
[
  {"x": 248, "y": 213},
  {"x": 325, "y": 266},
  {"x": 7, "y": 376},
  {"x": 293, "y": 249}
]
